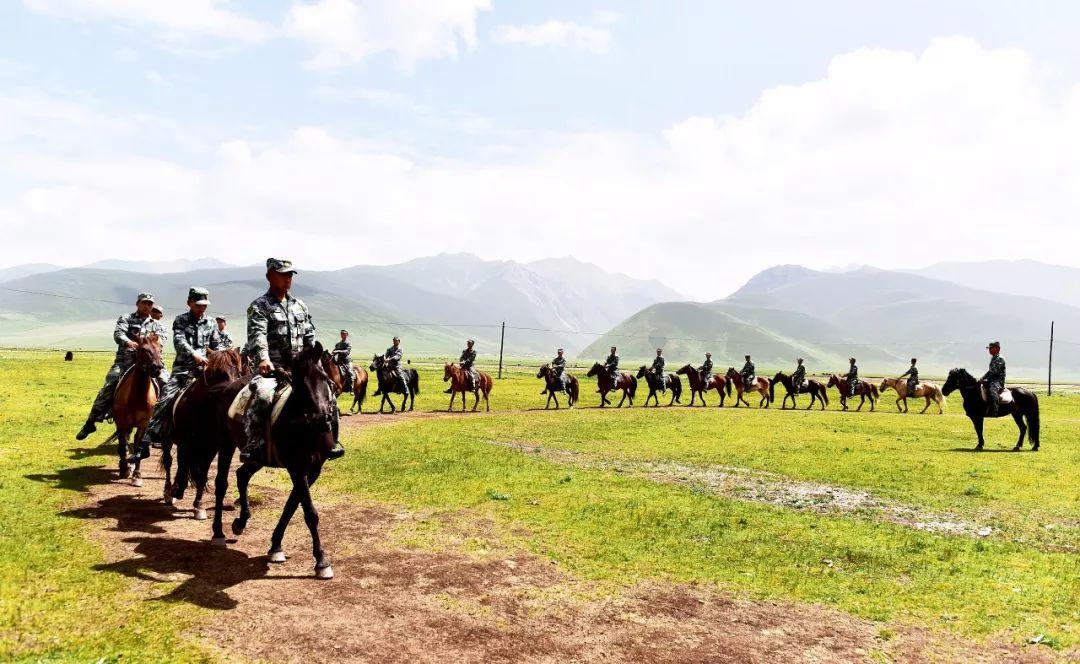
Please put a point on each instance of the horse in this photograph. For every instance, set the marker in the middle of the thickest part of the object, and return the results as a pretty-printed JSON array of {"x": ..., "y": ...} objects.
[
  {"x": 673, "y": 382},
  {"x": 817, "y": 391},
  {"x": 551, "y": 380},
  {"x": 625, "y": 382},
  {"x": 389, "y": 384},
  {"x": 456, "y": 375},
  {"x": 863, "y": 389},
  {"x": 193, "y": 435},
  {"x": 133, "y": 402},
  {"x": 359, "y": 383},
  {"x": 760, "y": 385},
  {"x": 299, "y": 441},
  {"x": 925, "y": 389},
  {"x": 1024, "y": 404},
  {"x": 699, "y": 388}
]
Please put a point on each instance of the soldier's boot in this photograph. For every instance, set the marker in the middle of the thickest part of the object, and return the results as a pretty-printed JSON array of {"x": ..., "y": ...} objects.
[
  {"x": 142, "y": 451},
  {"x": 337, "y": 451},
  {"x": 88, "y": 428},
  {"x": 992, "y": 405}
]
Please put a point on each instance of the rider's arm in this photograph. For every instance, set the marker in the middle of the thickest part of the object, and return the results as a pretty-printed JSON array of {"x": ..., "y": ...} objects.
[
  {"x": 180, "y": 342},
  {"x": 309, "y": 329},
  {"x": 120, "y": 331},
  {"x": 257, "y": 345}
]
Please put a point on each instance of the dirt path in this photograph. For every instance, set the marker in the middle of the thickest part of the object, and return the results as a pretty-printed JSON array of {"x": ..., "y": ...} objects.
[{"x": 392, "y": 604}]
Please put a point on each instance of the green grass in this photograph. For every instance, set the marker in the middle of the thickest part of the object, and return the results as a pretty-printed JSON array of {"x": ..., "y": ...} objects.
[{"x": 600, "y": 525}]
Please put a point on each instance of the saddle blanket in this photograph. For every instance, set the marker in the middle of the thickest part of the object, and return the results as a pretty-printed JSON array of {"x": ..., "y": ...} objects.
[{"x": 245, "y": 396}]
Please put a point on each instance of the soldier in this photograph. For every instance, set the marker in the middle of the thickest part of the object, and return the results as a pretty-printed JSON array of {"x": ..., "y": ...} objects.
[
  {"x": 852, "y": 377},
  {"x": 277, "y": 324},
  {"x": 747, "y": 372},
  {"x": 392, "y": 358},
  {"x": 798, "y": 379},
  {"x": 128, "y": 328},
  {"x": 342, "y": 355},
  {"x": 912, "y": 378},
  {"x": 706, "y": 370},
  {"x": 994, "y": 378},
  {"x": 467, "y": 359},
  {"x": 225, "y": 341},
  {"x": 154, "y": 325},
  {"x": 658, "y": 369},
  {"x": 612, "y": 366},
  {"x": 558, "y": 365},
  {"x": 192, "y": 336}
]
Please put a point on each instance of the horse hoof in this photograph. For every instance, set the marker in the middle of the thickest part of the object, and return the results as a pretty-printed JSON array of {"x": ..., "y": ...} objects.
[
  {"x": 125, "y": 473},
  {"x": 169, "y": 500},
  {"x": 277, "y": 557},
  {"x": 324, "y": 572},
  {"x": 136, "y": 481},
  {"x": 218, "y": 542},
  {"x": 238, "y": 526},
  {"x": 200, "y": 514}
]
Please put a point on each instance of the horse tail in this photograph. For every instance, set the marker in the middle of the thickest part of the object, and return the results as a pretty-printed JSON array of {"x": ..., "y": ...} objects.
[
  {"x": 772, "y": 392},
  {"x": 633, "y": 386},
  {"x": 823, "y": 394},
  {"x": 1033, "y": 420},
  {"x": 414, "y": 378},
  {"x": 573, "y": 389},
  {"x": 676, "y": 387},
  {"x": 727, "y": 386}
]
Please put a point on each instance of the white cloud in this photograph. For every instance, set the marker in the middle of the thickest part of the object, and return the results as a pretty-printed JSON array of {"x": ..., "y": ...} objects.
[
  {"x": 346, "y": 32},
  {"x": 176, "y": 22},
  {"x": 959, "y": 152},
  {"x": 556, "y": 33}
]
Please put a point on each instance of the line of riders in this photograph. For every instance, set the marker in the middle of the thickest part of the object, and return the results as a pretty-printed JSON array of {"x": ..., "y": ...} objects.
[{"x": 279, "y": 324}]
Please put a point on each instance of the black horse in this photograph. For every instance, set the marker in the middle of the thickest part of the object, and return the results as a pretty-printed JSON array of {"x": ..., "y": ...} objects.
[
  {"x": 670, "y": 382},
  {"x": 390, "y": 384},
  {"x": 554, "y": 386},
  {"x": 1024, "y": 404},
  {"x": 817, "y": 391}
]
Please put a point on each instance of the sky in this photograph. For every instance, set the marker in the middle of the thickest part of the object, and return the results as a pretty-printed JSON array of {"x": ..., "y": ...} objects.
[{"x": 693, "y": 142}]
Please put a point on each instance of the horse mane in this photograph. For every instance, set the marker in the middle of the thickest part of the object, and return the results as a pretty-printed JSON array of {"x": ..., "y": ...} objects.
[{"x": 223, "y": 365}]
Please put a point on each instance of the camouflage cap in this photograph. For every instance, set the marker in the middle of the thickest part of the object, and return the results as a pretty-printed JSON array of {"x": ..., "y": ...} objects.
[
  {"x": 470, "y": 342},
  {"x": 157, "y": 307},
  {"x": 708, "y": 354},
  {"x": 560, "y": 350},
  {"x": 198, "y": 295},
  {"x": 220, "y": 318},
  {"x": 280, "y": 265},
  {"x": 994, "y": 344},
  {"x": 344, "y": 332},
  {"x": 144, "y": 297}
]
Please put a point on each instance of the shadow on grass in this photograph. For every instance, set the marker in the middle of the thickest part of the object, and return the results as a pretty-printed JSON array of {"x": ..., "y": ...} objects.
[
  {"x": 995, "y": 450},
  {"x": 104, "y": 449},
  {"x": 80, "y": 478},
  {"x": 132, "y": 513}
]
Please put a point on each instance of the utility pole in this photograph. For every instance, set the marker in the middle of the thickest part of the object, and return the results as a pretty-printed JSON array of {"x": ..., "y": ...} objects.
[
  {"x": 1050, "y": 363},
  {"x": 502, "y": 339}
]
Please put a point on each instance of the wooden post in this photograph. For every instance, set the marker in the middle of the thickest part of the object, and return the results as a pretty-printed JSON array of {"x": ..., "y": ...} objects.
[
  {"x": 502, "y": 339},
  {"x": 1050, "y": 362}
]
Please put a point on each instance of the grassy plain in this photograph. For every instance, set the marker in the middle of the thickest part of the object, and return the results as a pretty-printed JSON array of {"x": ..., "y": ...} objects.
[{"x": 607, "y": 524}]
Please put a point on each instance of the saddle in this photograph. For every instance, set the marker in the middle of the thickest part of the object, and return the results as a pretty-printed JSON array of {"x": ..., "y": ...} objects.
[
  {"x": 239, "y": 407},
  {"x": 155, "y": 382},
  {"x": 1004, "y": 397}
]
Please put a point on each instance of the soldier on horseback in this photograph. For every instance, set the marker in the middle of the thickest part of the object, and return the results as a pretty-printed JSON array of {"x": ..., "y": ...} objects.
[
  {"x": 748, "y": 372},
  {"x": 706, "y": 369},
  {"x": 225, "y": 341},
  {"x": 658, "y": 370},
  {"x": 192, "y": 335},
  {"x": 392, "y": 358},
  {"x": 342, "y": 355},
  {"x": 852, "y": 377},
  {"x": 611, "y": 364},
  {"x": 466, "y": 362},
  {"x": 994, "y": 378},
  {"x": 798, "y": 378},
  {"x": 558, "y": 367},
  {"x": 128, "y": 328},
  {"x": 278, "y": 324},
  {"x": 912, "y": 377}
]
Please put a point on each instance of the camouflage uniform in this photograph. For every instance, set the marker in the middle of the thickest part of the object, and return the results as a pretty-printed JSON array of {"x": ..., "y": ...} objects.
[
  {"x": 127, "y": 328},
  {"x": 558, "y": 365},
  {"x": 192, "y": 337},
  {"x": 798, "y": 379},
  {"x": 853, "y": 379},
  {"x": 225, "y": 341},
  {"x": 747, "y": 373},
  {"x": 995, "y": 381},
  {"x": 343, "y": 358},
  {"x": 467, "y": 359},
  {"x": 912, "y": 379},
  {"x": 155, "y": 326},
  {"x": 706, "y": 371},
  {"x": 612, "y": 366},
  {"x": 392, "y": 359},
  {"x": 274, "y": 329},
  {"x": 658, "y": 371}
]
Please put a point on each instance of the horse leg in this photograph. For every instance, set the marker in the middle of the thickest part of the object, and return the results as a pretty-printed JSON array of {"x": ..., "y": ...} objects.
[
  {"x": 276, "y": 554},
  {"x": 927, "y": 406},
  {"x": 200, "y": 474},
  {"x": 1019, "y": 419},
  {"x": 453, "y": 396},
  {"x": 476, "y": 400},
  {"x": 862, "y": 400},
  {"x": 166, "y": 464},
  {"x": 122, "y": 443},
  {"x": 221, "y": 485},
  {"x": 978, "y": 424},
  {"x": 243, "y": 476},
  {"x": 301, "y": 485}
]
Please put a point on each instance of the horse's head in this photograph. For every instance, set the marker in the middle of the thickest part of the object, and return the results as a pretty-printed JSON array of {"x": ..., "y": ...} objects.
[
  {"x": 685, "y": 370},
  {"x": 595, "y": 370},
  {"x": 957, "y": 378},
  {"x": 834, "y": 381},
  {"x": 731, "y": 373},
  {"x": 642, "y": 370},
  {"x": 148, "y": 355},
  {"x": 449, "y": 369},
  {"x": 310, "y": 409},
  {"x": 544, "y": 372},
  {"x": 223, "y": 366},
  {"x": 779, "y": 377},
  {"x": 376, "y": 363}
]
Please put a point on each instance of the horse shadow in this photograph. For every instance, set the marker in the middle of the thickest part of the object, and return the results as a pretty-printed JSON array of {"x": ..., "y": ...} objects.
[
  {"x": 80, "y": 478},
  {"x": 104, "y": 449},
  {"x": 996, "y": 450},
  {"x": 133, "y": 514}
]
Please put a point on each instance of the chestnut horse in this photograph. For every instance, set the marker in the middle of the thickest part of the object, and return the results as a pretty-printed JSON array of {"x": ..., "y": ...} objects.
[
  {"x": 674, "y": 383},
  {"x": 864, "y": 389},
  {"x": 553, "y": 386},
  {"x": 760, "y": 385},
  {"x": 359, "y": 384},
  {"x": 698, "y": 388},
  {"x": 626, "y": 382},
  {"x": 816, "y": 390},
  {"x": 925, "y": 389},
  {"x": 134, "y": 400},
  {"x": 456, "y": 375}
]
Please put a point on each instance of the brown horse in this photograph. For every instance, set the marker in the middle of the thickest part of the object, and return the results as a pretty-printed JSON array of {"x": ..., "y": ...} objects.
[
  {"x": 697, "y": 388},
  {"x": 925, "y": 389},
  {"x": 192, "y": 428},
  {"x": 134, "y": 400},
  {"x": 359, "y": 383},
  {"x": 554, "y": 387},
  {"x": 456, "y": 375},
  {"x": 625, "y": 382},
  {"x": 863, "y": 389},
  {"x": 817, "y": 391},
  {"x": 760, "y": 385}
]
